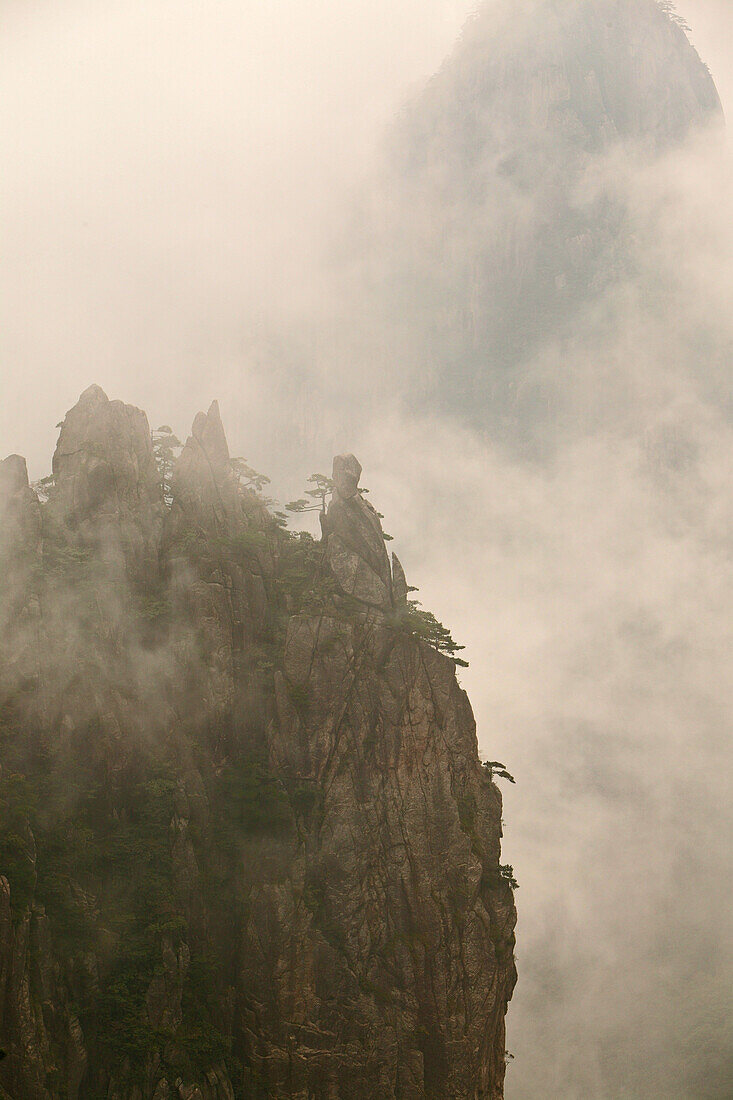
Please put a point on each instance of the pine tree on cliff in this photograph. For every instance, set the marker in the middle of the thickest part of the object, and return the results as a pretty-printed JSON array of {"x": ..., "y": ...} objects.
[{"x": 166, "y": 447}]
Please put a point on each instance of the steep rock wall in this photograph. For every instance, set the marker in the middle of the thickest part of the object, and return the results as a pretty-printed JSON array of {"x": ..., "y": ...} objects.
[{"x": 249, "y": 847}]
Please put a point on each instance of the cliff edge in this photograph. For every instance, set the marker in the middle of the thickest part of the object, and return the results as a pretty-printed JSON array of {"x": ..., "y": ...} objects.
[{"x": 247, "y": 845}]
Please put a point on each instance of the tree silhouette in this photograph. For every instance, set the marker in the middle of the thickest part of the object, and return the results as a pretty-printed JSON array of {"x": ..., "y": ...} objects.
[
  {"x": 426, "y": 626},
  {"x": 321, "y": 491},
  {"x": 166, "y": 448},
  {"x": 496, "y": 768},
  {"x": 247, "y": 477}
]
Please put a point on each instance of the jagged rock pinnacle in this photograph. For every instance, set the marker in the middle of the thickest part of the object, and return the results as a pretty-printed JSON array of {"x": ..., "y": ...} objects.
[
  {"x": 13, "y": 475},
  {"x": 208, "y": 431},
  {"x": 346, "y": 475},
  {"x": 107, "y": 490},
  {"x": 260, "y": 785},
  {"x": 399, "y": 581},
  {"x": 355, "y": 540}
]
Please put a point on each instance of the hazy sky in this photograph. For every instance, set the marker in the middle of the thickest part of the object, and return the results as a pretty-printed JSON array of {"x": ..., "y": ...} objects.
[
  {"x": 173, "y": 175},
  {"x": 170, "y": 170}
]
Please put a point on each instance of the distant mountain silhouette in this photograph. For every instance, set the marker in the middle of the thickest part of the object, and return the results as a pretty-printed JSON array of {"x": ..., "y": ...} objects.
[{"x": 492, "y": 238}]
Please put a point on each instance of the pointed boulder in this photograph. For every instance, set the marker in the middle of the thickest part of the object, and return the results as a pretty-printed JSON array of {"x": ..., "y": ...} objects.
[
  {"x": 399, "y": 582},
  {"x": 107, "y": 491},
  {"x": 355, "y": 547}
]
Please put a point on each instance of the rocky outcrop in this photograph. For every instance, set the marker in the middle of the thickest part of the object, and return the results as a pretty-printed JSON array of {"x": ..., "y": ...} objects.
[
  {"x": 220, "y": 552},
  {"x": 107, "y": 491},
  {"x": 20, "y": 522},
  {"x": 404, "y": 931},
  {"x": 20, "y": 559},
  {"x": 203, "y": 482},
  {"x": 354, "y": 539},
  {"x": 163, "y": 998},
  {"x": 400, "y": 587},
  {"x": 266, "y": 862},
  {"x": 402, "y": 928},
  {"x": 41, "y": 1035}
]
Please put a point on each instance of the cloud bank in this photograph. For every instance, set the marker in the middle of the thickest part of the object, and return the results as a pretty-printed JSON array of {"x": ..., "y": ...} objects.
[{"x": 187, "y": 222}]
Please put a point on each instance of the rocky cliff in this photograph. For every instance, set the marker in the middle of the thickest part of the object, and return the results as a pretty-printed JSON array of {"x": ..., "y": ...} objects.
[{"x": 247, "y": 846}]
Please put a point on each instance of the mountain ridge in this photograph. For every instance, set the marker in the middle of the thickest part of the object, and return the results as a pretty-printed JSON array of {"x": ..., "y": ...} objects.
[
  {"x": 502, "y": 220},
  {"x": 248, "y": 846}
]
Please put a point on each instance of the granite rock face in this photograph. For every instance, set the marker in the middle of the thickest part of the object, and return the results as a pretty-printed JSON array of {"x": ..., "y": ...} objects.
[
  {"x": 107, "y": 489},
  {"x": 220, "y": 554},
  {"x": 402, "y": 906},
  {"x": 35, "y": 1009},
  {"x": 249, "y": 846},
  {"x": 20, "y": 557},
  {"x": 356, "y": 551},
  {"x": 400, "y": 588}
]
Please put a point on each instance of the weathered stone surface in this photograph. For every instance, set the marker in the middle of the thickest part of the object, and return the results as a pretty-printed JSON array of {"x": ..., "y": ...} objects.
[
  {"x": 203, "y": 482},
  {"x": 107, "y": 491},
  {"x": 404, "y": 912},
  {"x": 163, "y": 999},
  {"x": 20, "y": 559},
  {"x": 32, "y": 1005},
  {"x": 399, "y": 582},
  {"x": 355, "y": 541},
  {"x": 20, "y": 534},
  {"x": 325, "y": 841},
  {"x": 219, "y": 547},
  {"x": 346, "y": 475}
]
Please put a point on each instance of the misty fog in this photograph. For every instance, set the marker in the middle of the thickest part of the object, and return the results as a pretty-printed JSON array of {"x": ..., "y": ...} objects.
[{"x": 202, "y": 201}]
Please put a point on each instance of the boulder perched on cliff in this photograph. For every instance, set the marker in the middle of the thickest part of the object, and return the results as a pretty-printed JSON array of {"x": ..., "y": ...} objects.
[{"x": 355, "y": 541}]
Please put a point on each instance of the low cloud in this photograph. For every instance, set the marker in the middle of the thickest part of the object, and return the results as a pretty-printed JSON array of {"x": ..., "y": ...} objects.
[{"x": 190, "y": 243}]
